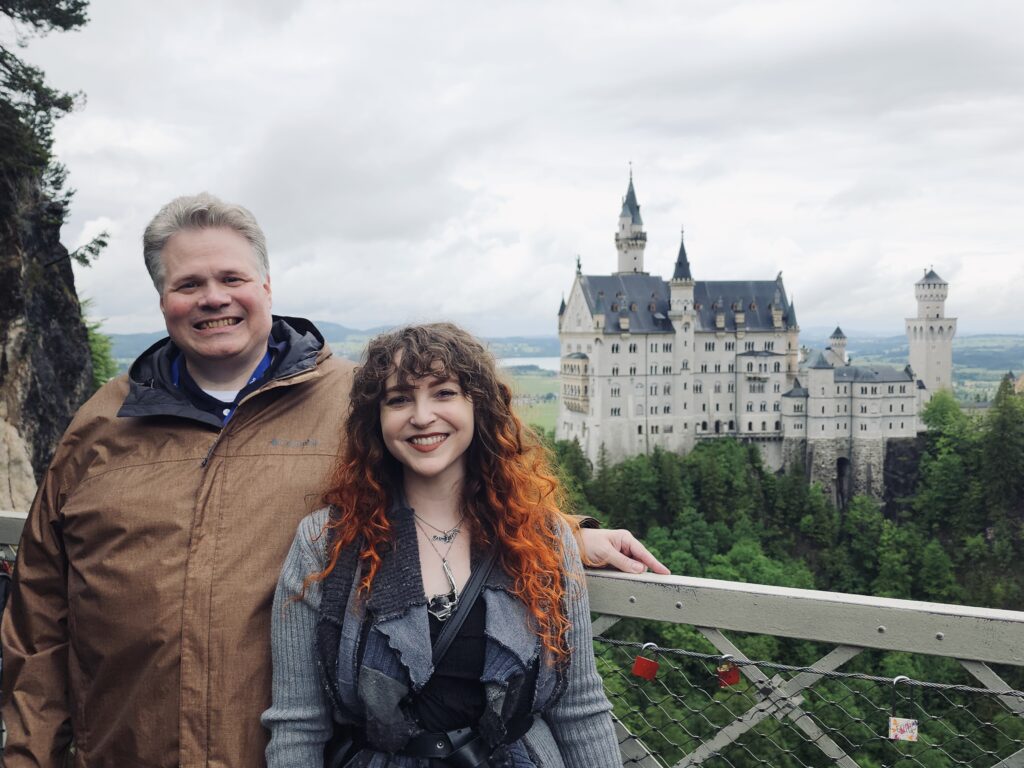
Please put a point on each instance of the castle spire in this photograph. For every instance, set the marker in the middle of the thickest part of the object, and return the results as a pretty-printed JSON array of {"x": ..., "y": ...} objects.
[
  {"x": 630, "y": 238},
  {"x": 682, "y": 270}
]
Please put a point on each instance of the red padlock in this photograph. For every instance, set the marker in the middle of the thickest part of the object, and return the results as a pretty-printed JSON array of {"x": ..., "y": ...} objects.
[
  {"x": 643, "y": 667},
  {"x": 728, "y": 673}
]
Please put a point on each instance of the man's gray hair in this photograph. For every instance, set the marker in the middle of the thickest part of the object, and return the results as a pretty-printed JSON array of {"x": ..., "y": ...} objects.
[{"x": 199, "y": 212}]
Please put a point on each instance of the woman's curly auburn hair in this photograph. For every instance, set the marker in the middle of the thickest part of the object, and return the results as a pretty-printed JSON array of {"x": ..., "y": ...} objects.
[{"x": 510, "y": 496}]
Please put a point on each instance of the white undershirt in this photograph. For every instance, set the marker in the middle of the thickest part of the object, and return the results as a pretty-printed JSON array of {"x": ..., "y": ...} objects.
[{"x": 224, "y": 395}]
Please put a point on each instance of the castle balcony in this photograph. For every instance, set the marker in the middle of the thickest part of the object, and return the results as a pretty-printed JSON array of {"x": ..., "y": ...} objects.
[{"x": 738, "y": 675}]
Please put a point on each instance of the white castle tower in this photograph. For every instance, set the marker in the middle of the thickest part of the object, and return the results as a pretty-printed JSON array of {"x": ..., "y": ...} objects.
[
  {"x": 630, "y": 238},
  {"x": 930, "y": 335}
]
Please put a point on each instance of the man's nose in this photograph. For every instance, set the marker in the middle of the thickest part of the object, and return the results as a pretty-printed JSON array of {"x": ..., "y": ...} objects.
[{"x": 214, "y": 295}]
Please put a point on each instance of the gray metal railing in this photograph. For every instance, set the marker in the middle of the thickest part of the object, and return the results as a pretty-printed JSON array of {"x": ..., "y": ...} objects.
[{"x": 810, "y": 712}]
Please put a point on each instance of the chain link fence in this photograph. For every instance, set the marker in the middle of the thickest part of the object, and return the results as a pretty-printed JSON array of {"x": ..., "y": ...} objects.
[{"x": 699, "y": 707}]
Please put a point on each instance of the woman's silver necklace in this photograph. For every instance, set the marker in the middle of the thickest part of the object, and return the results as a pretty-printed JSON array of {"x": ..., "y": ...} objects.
[
  {"x": 441, "y": 607},
  {"x": 442, "y": 535}
]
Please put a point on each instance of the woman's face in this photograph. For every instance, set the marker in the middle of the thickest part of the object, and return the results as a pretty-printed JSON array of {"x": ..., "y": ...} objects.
[{"x": 427, "y": 426}]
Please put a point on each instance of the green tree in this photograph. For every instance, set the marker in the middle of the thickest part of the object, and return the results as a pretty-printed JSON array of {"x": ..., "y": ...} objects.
[
  {"x": 1003, "y": 452},
  {"x": 893, "y": 579},
  {"x": 28, "y": 106},
  {"x": 101, "y": 348}
]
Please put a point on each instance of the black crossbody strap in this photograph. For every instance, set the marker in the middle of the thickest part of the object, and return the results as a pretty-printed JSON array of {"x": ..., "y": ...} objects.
[{"x": 466, "y": 600}]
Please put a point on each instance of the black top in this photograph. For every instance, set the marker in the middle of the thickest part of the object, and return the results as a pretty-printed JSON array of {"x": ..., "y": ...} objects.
[{"x": 454, "y": 696}]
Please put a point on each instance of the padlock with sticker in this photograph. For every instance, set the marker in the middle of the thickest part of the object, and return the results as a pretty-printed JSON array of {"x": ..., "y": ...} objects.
[
  {"x": 728, "y": 673},
  {"x": 902, "y": 728},
  {"x": 645, "y": 668}
]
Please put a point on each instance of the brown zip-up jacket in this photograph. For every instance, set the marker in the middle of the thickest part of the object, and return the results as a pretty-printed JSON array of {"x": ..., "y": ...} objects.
[{"x": 139, "y": 622}]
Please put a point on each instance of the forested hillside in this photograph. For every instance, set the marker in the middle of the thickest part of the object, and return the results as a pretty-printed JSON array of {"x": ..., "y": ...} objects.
[{"x": 718, "y": 513}]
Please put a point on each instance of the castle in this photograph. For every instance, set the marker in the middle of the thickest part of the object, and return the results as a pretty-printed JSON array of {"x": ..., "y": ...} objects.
[{"x": 647, "y": 362}]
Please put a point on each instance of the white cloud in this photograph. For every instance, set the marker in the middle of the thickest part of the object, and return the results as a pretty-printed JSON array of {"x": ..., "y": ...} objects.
[{"x": 414, "y": 161}]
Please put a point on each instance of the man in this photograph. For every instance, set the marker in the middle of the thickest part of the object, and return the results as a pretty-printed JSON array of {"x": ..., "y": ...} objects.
[{"x": 139, "y": 623}]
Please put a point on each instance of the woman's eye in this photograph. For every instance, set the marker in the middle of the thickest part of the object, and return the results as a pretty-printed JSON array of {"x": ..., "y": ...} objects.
[
  {"x": 447, "y": 394},
  {"x": 396, "y": 400}
]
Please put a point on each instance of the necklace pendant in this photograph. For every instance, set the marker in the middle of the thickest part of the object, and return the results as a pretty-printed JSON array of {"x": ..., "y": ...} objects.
[
  {"x": 446, "y": 537},
  {"x": 441, "y": 607}
]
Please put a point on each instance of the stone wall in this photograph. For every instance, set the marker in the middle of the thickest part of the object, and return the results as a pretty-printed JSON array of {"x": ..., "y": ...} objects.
[{"x": 45, "y": 365}]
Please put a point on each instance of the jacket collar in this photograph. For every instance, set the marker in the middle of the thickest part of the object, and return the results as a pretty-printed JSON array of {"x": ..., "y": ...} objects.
[
  {"x": 398, "y": 605},
  {"x": 152, "y": 392}
]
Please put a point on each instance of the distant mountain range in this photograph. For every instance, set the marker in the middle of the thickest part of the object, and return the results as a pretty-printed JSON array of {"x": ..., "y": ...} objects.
[
  {"x": 991, "y": 352},
  {"x": 348, "y": 342}
]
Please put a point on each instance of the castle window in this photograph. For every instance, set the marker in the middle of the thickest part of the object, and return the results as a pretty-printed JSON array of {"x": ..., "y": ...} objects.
[
  {"x": 667, "y": 369},
  {"x": 632, "y": 370},
  {"x": 718, "y": 406},
  {"x": 703, "y": 367},
  {"x": 777, "y": 387},
  {"x": 654, "y": 389},
  {"x": 750, "y": 426},
  {"x": 698, "y": 387},
  {"x": 863, "y": 409},
  {"x": 666, "y": 409},
  {"x": 686, "y": 365},
  {"x": 730, "y": 346},
  {"x": 890, "y": 407},
  {"x": 718, "y": 387},
  {"x": 732, "y": 425},
  {"x": 764, "y": 406},
  {"x": 666, "y": 347},
  {"x": 732, "y": 367},
  {"x": 750, "y": 407},
  {"x": 778, "y": 368},
  {"x": 616, "y": 392},
  {"x": 863, "y": 390},
  {"x": 639, "y": 429},
  {"x": 778, "y": 425},
  {"x": 764, "y": 426},
  {"x": 902, "y": 408},
  {"x": 823, "y": 410},
  {"x": 632, "y": 348},
  {"x": 874, "y": 390},
  {"x": 776, "y": 406},
  {"x": 892, "y": 390},
  {"x": 748, "y": 346},
  {"x": 731, "y": 386},
  {"x": 704, "y": 407},
  {"x": 750, "y": 367},
  {"x": 616, "y": 411},
  {"x": 668, "y": 429},
  {"x": 615, "y": 370},
  {"x": 704, "y": 426},
  {"x": 837, "y": 426},
  {"x": 769, "y": 346},
  {"x": 615, "y": 348},
  {"x": 667, "y": 389},
  {"x": 822, "y": 427},
  {"x": 709, "y": 346},
  {"x": 654, "y": 346},
  {"x": 654, "y": 410},
  {"x": 654, "y": 369},
  {"x": 654, "y": 429},
  {"x": 718, "y": 367}
]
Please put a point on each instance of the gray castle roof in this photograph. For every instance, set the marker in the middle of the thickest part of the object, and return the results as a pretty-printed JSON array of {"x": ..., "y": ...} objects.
[
  {"x": 798, "y": 390},
  {"x": 630, "y": 207},
  {"x": 838, "y": 333},
  {"x": 644, "y": 299},
  {"x": 682, "y": 270},
  {"x": 754, "y": 296},
  {"x": 616, "y": 296},
  {"x": 820, "y": 361},
  {"x": 873, "y": 374},
  {"x": 931, "y": 277}
]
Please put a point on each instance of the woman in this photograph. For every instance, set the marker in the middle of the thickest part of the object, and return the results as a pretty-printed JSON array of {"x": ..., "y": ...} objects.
[{"x": 437, "y": 472}]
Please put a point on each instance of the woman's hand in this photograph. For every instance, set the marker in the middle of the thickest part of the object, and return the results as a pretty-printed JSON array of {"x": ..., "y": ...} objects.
[{"x": 616, "y": 549}]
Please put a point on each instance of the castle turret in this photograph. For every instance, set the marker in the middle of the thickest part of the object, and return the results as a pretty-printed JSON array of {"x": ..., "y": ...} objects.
[
  {"x": 930, "y": 335},
  {"x": 630, "y": 238},
  {"x": 837, "y": 347}
]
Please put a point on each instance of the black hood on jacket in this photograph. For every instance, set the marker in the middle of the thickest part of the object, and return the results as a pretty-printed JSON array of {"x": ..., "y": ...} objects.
[{"x": 152, "y": 391}]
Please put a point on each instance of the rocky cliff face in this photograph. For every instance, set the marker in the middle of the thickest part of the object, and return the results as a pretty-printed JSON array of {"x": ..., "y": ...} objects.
[{"x": 45, "y": 366}]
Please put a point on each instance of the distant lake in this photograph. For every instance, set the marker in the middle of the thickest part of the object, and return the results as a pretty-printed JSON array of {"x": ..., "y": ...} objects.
[{"x": 545, "y": 363}]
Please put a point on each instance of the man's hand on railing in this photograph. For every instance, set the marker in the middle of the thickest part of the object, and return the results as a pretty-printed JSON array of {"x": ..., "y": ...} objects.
[{"x": 617, "y": 549}]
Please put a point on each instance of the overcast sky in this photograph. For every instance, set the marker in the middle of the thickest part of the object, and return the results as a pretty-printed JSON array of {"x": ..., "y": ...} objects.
[{"x": 427, "y": 160}]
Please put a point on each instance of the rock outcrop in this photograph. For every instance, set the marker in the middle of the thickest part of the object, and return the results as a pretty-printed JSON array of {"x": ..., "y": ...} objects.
[{"x": 45, "y": 366}]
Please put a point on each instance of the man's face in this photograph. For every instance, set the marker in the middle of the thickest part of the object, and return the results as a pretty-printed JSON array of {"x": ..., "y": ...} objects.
[{"x": 215, "y": 302}]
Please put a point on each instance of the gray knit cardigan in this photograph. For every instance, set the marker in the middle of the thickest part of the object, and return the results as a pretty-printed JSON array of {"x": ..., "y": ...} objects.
[{"x": 574, "y": 728}]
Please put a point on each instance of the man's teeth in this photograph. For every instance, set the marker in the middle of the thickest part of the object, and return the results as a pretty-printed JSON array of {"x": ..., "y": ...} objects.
[
  {"x": 218, "y": 323},
  {"x": 429, "y": 440}
]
